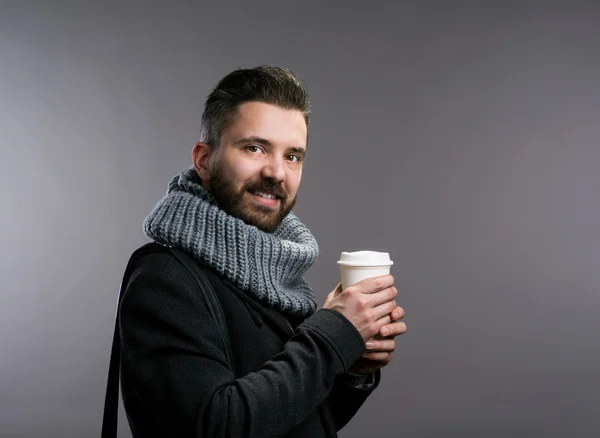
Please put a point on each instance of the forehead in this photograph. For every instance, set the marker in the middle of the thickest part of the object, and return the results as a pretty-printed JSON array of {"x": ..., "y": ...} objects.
[{"x": 278, "y": 125}]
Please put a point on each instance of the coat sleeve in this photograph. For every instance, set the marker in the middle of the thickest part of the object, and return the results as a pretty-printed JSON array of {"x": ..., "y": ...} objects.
[
  {"x": 348, "y": 395},
  {"x": 173, "y": 354}
]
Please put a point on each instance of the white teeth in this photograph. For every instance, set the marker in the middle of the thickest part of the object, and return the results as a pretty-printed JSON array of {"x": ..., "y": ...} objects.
[{"x": 264, "y": 195}]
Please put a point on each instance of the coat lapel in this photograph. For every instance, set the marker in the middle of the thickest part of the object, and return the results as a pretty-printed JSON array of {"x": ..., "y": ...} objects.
[{"x": 281, "y": 322}]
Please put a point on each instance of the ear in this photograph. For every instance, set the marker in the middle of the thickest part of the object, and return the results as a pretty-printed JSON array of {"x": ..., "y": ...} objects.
[{"x": 201, "y": 153}]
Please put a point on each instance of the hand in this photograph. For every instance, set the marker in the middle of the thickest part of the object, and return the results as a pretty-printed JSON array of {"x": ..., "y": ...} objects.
[
  {"x": 379, "y": 349},
  {"x": 366, "y": 304}
]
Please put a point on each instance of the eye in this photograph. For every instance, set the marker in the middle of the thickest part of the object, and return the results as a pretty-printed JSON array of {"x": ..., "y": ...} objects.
[
  {"x": 253, "y": 148},
  {"x": 297, "y": 158}
]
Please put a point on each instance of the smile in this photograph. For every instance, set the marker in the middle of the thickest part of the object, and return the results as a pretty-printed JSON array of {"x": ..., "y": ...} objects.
[
  {"x": 266, "y": 195},
  {"x": 265, "y": 199}
]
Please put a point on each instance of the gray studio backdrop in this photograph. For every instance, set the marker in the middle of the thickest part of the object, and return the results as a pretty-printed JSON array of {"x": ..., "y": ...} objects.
[{"x": 462, "y": 137}]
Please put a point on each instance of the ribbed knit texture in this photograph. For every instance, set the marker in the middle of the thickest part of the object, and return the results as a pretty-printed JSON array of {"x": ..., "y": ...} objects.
[{"x": 267, "y": 265}]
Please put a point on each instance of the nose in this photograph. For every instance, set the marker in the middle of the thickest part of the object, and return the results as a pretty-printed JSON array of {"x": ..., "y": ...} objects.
[{"x": 274, "y": 169}]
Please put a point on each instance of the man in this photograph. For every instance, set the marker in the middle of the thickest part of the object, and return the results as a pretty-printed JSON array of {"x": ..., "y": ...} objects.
[{"x": 295, "y": 371}]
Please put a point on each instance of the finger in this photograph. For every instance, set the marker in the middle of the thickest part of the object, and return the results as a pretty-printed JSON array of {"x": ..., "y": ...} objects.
[
  {"x": 378, "y": 357},
  {"x": 383, "y": 311},
  {"x": 397, "y": 314},
  {"x": 394, "y": 329},
  {"x": 375, "y": 284},
  {"x": 338, "y": 289},
  {"x": 384, "y": 320},
  {"x": 380, "y": 323},
  {"x": 385, "y": 345},
  {"x": 383, "y": 296}
]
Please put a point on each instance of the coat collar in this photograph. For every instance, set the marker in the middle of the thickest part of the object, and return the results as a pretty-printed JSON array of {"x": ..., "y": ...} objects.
[{"x": 281, "y": 322}]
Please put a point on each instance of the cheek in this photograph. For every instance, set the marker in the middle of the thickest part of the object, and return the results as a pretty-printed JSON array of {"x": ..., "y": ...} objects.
[
  {"x": 241, "y": 174},
  {"x": 293, "y": 182}
]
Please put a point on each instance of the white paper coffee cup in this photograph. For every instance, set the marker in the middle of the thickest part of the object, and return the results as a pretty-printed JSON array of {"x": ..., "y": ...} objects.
[{"x": 358, "y": 265}]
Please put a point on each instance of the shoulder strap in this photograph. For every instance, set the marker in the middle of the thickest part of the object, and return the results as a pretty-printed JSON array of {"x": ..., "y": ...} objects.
[
  {"x": 210, "y": 298},
  {"x": 111, "y": 400}
]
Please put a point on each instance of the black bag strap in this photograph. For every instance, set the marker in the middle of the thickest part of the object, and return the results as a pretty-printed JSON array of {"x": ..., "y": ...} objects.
[
  {"x": 210, "y": 298},
  {"x": 111, "y": 400}
]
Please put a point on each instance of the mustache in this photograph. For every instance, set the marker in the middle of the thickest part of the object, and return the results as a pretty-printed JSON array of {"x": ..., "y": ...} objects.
[{"x": 266, "y": 186}]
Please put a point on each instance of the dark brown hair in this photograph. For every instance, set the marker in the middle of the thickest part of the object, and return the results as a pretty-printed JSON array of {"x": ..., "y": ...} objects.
[{"x": 268, "y": 84}]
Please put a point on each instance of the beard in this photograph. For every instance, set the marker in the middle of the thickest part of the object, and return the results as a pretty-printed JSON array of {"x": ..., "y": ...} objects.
[{"x": 231, "y": 200}]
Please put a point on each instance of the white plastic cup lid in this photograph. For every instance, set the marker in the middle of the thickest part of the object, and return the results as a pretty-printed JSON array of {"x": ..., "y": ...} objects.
[{"x": 365, "y": 258}]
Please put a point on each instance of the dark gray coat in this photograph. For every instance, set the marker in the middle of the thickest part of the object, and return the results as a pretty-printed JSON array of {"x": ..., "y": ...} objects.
[{"x": 287, "y": 378}]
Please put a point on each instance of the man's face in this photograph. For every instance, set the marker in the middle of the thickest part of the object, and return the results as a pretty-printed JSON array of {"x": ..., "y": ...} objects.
[{"x": 257, "y": 171}]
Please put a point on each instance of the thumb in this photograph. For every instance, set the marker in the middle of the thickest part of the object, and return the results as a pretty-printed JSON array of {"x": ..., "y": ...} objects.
[{"x": 338, "y": 289}]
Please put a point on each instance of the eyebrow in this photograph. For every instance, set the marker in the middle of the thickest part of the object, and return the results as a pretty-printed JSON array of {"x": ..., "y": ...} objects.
[{"x": 266, "y": 142}]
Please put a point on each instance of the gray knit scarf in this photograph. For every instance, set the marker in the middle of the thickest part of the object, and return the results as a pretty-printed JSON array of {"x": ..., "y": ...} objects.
[{"x": 268, "y": 265}]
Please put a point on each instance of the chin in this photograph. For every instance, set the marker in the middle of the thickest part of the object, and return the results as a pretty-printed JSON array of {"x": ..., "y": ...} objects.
[
  {"x": 264, "y": 218},
  {"x": 266, "y": 227}
]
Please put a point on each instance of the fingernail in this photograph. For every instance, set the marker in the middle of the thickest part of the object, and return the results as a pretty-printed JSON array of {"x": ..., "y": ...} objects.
[
  {"x": 370, "y": 344},
  {"x": 385, "y": 331}
]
